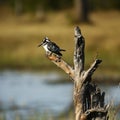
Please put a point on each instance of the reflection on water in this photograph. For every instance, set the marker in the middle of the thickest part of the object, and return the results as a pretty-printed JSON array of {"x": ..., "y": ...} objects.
[{"x": 25, "y": 92}]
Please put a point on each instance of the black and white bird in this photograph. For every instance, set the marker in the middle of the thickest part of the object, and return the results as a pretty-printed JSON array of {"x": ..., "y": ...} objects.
[{"x": 51, "y": 47}]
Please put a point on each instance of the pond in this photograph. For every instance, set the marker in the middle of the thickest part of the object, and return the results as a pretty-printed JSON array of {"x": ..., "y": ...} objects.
[{"x": 26, "y": 92}]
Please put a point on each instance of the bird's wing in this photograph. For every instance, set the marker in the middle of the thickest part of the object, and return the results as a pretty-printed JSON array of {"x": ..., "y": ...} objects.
[{"x": 53, "y": 47}]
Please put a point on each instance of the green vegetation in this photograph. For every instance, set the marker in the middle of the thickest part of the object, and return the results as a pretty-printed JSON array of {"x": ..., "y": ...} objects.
[
  {"x": 35, "y": 115},
  {"x": 30, "y": 5},
  {"x": 19, "y": 37}
]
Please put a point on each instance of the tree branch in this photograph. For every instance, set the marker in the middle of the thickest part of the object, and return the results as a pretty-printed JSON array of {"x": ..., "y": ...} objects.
[
  {"x": 79, "y": 51},
  {"x": 91, "y": 70},
  {"x": 62, "y": 64}
]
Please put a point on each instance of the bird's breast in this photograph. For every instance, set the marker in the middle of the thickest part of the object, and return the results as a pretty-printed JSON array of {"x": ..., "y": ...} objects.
[{"x": 45, "y": 47}]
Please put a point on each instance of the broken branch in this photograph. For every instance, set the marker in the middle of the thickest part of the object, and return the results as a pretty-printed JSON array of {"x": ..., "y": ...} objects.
[
  {"x": 62, "y": 64},
  {"x": 79, "y": 51},
  {"x": 91, "y": 70}
]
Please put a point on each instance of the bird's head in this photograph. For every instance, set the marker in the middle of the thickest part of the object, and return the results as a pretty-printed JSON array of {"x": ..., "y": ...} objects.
[{"x": 44, "y": 42}]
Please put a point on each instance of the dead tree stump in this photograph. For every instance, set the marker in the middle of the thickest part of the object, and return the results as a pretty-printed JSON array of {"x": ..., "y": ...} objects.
[{"x": 88, "y": 99}]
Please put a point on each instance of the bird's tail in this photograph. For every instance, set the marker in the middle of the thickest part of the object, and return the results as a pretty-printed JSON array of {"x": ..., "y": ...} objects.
[{"x": 62, "y": 50}]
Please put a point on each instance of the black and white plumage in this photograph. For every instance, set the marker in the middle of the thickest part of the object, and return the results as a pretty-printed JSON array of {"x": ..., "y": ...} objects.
[{"x": 51, "y": 47}]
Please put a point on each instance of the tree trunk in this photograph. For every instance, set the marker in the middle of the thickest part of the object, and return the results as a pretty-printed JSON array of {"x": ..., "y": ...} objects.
[
  {"x": 82, "y": 10},
  {"x": 18, "y": 7},
  {"x": 40, "y": 13},
  {"x": 88, "y": 98}
]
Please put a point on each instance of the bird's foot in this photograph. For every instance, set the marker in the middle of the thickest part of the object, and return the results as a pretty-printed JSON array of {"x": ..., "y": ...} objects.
[
  {"x": 48, "y": 53},
  {"x": 58, "y": 58}
]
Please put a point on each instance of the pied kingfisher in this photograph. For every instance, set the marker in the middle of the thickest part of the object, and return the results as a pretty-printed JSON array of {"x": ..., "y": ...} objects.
[{"x": 51, "y": 47}]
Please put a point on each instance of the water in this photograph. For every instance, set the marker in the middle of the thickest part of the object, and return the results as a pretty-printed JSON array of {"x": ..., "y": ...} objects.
[
  {"x": 112, "y": 94},
  {"x": 26, "y": 92}
]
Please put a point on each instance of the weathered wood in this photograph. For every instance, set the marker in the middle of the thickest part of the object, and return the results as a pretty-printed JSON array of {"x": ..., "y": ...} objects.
[
  {"x": 79, "y": 52},
  {"x": 88, "y": 99},
  {"x": 62, "y": 64},
  {"x": 82, "y": 77}
]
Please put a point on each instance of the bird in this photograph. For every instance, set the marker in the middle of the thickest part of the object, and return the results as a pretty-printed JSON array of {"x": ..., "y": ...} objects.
[{"x": 51, "y": 47}]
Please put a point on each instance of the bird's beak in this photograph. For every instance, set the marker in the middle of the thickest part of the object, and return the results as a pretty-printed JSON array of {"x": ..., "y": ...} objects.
[{"x": 40, "y": 45}]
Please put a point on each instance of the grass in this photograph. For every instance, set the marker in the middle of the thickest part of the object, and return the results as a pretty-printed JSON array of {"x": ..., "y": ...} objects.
[
  {"x": 19, "y": 37},
  {"x": 35, "y": 115}
]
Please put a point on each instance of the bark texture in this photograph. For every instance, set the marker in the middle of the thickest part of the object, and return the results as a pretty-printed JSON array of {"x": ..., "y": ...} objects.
[{"x": 88, "y": 99}]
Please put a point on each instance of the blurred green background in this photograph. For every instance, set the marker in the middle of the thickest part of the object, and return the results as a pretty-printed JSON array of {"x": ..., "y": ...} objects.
[{"x": 23, "y": 25}]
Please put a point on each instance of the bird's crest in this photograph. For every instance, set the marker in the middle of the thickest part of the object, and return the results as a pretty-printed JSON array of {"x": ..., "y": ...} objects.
[{"x": 46, "y": 39}]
